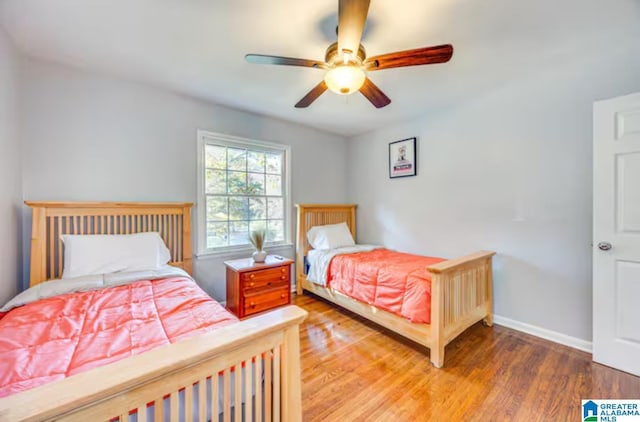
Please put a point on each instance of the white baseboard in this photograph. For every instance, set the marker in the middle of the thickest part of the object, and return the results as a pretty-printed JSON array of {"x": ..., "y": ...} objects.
[{"x": 554, "y": 336}]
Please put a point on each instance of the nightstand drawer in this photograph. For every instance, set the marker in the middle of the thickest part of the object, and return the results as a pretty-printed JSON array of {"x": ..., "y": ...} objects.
[
  {"x": 265, "y": 278},
  {"x": 264, "y": 301},
  {"x": 253, "y": 287}
]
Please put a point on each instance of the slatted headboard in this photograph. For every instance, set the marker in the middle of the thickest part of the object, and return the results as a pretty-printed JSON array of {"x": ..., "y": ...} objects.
[
  {"x": 310, "y": 215},
  {"x": 52, "y": 219}
]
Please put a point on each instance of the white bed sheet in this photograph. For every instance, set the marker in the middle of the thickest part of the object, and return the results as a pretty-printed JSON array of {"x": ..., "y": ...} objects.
[
  {"x": 88, "y": 283},
  {"x": 319, "y": 259}
]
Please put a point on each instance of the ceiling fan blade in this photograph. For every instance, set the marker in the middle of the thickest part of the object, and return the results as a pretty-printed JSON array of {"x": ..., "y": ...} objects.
[
  {"x": 416, "y": 57},
  {"x": 286, "y": 61},
  {"x": 374, "y": 94},
  {"x": 312, "y": 95},
  {"x": 352, "y": 15}
]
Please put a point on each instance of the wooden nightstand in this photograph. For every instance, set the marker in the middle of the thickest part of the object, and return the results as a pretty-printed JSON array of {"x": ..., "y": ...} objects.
[{"x": 253, "y": 287}]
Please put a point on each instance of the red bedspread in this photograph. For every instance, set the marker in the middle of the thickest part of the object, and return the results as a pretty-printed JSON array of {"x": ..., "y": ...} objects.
[
  {"x": 394, "y": 281},
  {"x": 60, "y": 336}
]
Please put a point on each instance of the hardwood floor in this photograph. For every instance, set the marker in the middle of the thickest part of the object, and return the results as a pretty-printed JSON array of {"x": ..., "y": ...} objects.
[{"x": 353, "y": 370}]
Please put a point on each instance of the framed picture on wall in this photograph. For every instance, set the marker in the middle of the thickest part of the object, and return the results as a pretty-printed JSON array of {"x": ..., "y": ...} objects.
[{"x": 402, "y": 158}]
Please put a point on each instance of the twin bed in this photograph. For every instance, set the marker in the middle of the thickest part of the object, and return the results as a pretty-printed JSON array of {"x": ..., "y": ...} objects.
[
  {"x": 138, "y": 345},
  {"x": 428, "y": 300}
]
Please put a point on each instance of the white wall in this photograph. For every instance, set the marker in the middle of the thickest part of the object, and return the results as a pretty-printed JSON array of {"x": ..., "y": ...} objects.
[
  {"x": 90, "y": 137},
  {"x": 510, "y": 171},
  {"x": 10, "y": 172}
]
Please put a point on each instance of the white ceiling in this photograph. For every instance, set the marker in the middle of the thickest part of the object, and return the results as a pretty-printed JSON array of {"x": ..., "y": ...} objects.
[{"x": 197, "y": 47}]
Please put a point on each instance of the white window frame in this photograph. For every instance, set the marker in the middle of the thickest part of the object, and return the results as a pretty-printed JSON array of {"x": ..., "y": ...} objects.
[{"x": 212, "y": 138}]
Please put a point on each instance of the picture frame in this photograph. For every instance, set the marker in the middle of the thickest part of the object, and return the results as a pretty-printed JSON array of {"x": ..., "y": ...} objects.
[{"x": 402, "y": 158}]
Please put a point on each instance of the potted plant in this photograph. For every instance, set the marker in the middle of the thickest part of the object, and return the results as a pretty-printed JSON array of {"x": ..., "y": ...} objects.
[{"x": 257, "y": 238}]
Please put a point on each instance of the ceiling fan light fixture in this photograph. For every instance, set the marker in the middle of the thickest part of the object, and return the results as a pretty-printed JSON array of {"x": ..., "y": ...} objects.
[
  {"x": 346, "y": 61},
  {"x": 345, "y": 79}
]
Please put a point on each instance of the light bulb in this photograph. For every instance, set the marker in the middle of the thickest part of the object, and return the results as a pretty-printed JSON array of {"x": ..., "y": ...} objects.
[{"x": 345, "y": 79}]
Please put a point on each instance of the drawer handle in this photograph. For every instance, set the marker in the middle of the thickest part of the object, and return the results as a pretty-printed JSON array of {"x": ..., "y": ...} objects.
[
  {"x": 253, "y": 305},
  {"x": 283, "y": 278},
  {"x": 282, "y": 296},
  {"x": 269, "y": 284},
  {"x": 284, "y": 270},
  {"x": 251, "y": 284},
  {"x": 252, "y": 276}
]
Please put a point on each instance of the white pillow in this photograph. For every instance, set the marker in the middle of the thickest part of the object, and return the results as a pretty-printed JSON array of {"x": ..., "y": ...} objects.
[
  {"x": 330, "y": 236},
  {"x": 103, "y": 254}
]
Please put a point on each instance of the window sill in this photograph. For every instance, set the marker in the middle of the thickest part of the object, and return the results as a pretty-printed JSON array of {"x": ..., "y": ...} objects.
[{"x": 236, "y": 253}]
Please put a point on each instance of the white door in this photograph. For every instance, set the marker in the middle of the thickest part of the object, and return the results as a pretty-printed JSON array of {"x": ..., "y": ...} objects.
[{"x": 616, "y": 233}]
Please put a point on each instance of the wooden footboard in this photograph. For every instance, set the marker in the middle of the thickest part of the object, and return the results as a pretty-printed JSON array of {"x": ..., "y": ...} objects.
[
  {"x": 205, "y": 367},
  {"x": 461, "y": 295}
]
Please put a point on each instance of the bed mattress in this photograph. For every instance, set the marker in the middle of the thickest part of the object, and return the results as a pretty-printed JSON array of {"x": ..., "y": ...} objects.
[{"x": 59, "y": 336}]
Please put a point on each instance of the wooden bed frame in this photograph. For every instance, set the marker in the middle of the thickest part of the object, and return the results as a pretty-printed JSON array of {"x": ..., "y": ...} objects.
[
  {"x": 271, "y": 340},
  {"x": 461, "y": 289}
]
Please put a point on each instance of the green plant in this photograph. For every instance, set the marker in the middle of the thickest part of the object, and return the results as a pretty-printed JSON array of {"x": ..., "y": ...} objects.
[{"x": 257, "y": 238}]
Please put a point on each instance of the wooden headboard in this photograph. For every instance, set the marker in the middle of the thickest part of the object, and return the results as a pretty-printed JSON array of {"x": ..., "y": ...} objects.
[
  {"x": 52, "y": 219},
  {"x": 310, "y": 215}
]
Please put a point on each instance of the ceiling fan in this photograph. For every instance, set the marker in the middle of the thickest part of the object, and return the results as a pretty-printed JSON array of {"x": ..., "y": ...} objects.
[{"x": 346, "y": 61}]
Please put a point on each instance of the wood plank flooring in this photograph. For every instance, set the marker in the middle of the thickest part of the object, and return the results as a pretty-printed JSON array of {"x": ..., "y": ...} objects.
[{"x": 353, "y": 370}]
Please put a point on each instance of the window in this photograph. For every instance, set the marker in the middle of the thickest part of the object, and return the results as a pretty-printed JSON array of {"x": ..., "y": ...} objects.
[{"x": 243, "y": 185}]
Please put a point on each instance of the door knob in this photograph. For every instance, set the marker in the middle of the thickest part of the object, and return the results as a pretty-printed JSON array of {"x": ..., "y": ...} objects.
[{"x": 604, "y": 246}]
